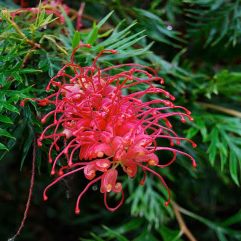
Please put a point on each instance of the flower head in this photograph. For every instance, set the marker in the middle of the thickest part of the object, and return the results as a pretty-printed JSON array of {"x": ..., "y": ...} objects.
[{"x": 105, "y": 123}]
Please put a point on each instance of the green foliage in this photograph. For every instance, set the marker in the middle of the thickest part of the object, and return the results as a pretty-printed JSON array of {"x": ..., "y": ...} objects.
[
  {"x": 146, "y": 201},
  {"x": 157, "y": 29},
  {"x": 12, "y": 90},
  {"x": 219, "y": 83},
  {"x": 218, "y": 21},
  {"x": 55, "y": 49},
  {"x": 223, "y": 135},
  {"x": 131, "y": 229},
  {"x": 17, "y": 79},
  {"x": 119, "y": 38}
]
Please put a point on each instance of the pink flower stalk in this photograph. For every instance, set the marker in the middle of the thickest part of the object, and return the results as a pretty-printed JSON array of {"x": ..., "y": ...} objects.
[{"x": 106, "y": 122}]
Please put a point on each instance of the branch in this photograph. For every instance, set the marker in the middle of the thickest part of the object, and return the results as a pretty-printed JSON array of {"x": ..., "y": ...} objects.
[
  {"x": 18, "y": 30},
  {"x": 183, "y": 227},
  {"x": 221, "y": 109},
  {"x": 27, "y": 206}
]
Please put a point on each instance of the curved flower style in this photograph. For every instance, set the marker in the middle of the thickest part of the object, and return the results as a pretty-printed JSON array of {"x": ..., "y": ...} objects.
[{"x": 104, "y": 125}]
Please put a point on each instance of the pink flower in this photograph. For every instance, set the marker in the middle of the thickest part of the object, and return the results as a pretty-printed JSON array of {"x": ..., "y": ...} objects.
[{"x": 103, "y": 124}]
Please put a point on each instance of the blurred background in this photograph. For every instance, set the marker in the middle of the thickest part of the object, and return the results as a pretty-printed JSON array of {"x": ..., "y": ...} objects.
[{"x": 195, "y": 46}]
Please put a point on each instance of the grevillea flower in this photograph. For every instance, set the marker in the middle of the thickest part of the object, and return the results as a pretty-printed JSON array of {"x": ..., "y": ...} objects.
[{"x": 106, "y": 122}]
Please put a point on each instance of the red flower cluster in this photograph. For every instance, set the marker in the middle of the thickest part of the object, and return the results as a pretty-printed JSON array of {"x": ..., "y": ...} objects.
[{"x": 107, "y": 121}]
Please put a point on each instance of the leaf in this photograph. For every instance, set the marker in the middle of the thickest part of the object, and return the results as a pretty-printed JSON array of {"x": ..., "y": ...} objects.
[
  {"x": 76, "y": 39},
  {"x": 214, "y": 138},
  {"x": 145, "y": 236},
  {"x": 222, "y": 134},
  {"x": 5, "y": 119},
  {"x": 170, "y": 234},
  {"x": 3, "y": 147},
  {"x": 93, "y": 35},
  {"x": 68, "y": 22},
  {"x": 26, "y": 146},
  {"x": 234, "y": 166},
  {"x": 158, "y": 30},
  {"x": 217, "y": 23},
  {"x": 102, "y": 22},
  {"x": 10, "y": 107},
  {"x": 96, "y": 237},
  {"x": 117, "y": 35},
  {"x": 221, "y": 236},
  {"x": 6, "y": 134},
  {"x": 218, "y": 85},
  {"x": 112, "y": 232},
  {"x": 234, "y": 219},
  {"x": 51, "y": 65},
  {"x": 128, "y": 41},
  {"x": 146, "y": 201}
]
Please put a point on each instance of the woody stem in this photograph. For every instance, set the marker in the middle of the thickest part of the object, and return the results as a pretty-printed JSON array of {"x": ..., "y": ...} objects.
[
  {"x": 27, "y": 206},
  {"x": 221, "y": 109},
  {"x": 183, "y": 227}
]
